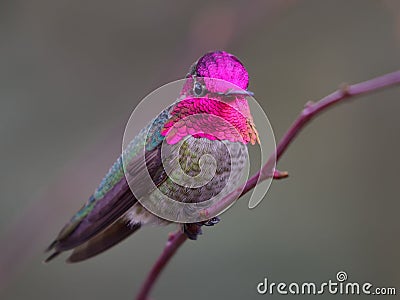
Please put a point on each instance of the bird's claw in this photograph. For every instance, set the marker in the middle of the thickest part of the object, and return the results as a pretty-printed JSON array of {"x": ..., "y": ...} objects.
[
  {"x": 192, "y": 230},
  {"x": 212, "y": 221}
]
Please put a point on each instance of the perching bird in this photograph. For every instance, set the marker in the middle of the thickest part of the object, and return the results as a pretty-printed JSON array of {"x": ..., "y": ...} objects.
[{"x": 198, "y": 124}]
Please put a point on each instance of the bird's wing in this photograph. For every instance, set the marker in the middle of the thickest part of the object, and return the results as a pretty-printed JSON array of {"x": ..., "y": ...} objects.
[
  {"x": 114, "y": 234},
  {"x": 97, "y": 215},
  {"x": 113, "y": 198}
]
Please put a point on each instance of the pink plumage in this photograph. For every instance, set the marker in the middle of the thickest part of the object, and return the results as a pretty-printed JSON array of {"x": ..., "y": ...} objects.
[
  {"x": 214, "y": 116},
  {"x": 225, "y": 66}
]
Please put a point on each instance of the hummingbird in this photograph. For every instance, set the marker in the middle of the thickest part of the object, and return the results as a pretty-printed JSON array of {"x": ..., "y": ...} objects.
[{"x": 114, "y": 211}]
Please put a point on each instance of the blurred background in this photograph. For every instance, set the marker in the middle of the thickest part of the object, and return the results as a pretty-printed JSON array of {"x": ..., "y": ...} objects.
[{"x": 72, "y": 72}]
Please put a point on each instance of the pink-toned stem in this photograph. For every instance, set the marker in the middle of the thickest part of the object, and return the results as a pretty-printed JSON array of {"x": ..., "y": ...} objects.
[
  {"x": 280, "y": 174},
  {"x": 175, "y": 240},
  {"x": 310, "y": 111}
]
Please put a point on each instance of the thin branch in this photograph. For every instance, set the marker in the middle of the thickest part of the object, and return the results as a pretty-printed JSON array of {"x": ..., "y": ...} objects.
[
  {"x": 175, "y": 240},
  {"x": 310, "y": 111},
  {"x": 280, "y": 174}
]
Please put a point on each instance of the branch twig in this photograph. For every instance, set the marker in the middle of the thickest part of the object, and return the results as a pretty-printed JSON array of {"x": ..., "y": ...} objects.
[
  {"x": 175, "y": 240},
  {"x": 310, "y": 111}
]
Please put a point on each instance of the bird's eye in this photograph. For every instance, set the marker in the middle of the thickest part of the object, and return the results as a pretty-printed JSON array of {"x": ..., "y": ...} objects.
[{"x": 198, "y": 89}]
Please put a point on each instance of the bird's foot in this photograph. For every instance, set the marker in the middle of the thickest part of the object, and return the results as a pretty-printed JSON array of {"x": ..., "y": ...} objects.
[
  {"x": 192, "y": 230},
  {"x": 210, "y": 222}
]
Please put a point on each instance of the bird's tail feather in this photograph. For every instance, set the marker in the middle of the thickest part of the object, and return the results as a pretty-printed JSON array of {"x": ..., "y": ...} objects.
[
  {"x": 114, "y": 234},
  {"x": 52, "y": 256}
]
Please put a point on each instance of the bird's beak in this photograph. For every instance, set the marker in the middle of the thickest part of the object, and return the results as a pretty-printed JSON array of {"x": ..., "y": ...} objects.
[{"x": 238, "y": 92}]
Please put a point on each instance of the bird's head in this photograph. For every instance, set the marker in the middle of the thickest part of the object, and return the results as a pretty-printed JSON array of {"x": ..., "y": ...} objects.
[{"x": 213, "y": 102}]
